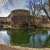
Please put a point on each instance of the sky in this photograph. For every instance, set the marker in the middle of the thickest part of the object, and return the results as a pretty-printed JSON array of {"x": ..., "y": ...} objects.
[
  {"x": 6, "y": 6},
  {"x": 10, "y": 5}
]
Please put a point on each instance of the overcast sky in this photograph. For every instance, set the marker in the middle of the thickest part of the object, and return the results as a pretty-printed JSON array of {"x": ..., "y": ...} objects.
[{"x": 6, "y": 6}]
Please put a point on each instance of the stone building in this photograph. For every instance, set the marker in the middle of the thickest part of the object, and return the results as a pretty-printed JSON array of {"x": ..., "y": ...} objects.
[
  {"x": 49, "y": 4},
  {"x": 4, "y": 22},
  {"x": 19, "y": 17},
  {"x": 16, "y": 18}
]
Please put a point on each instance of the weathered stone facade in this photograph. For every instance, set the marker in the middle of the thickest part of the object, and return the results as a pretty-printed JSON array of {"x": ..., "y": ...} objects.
[
  {"x": 49, "y": 4},
  {"x": 19, "y": 17},
  {"x": 4, "y": 22},
  {"x": 22, "y": 18},
  {"x": 16, "y": 18}
]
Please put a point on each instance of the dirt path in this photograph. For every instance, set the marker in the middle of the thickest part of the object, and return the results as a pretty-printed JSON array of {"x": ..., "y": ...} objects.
[{"x": 3, "y": 47}]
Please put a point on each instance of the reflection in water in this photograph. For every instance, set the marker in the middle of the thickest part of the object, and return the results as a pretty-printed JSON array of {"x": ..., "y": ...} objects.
[
  {"x": 48, "y": 32},
  {"x": 4, "y": 37},
  {"x": 39, "y": 39}
]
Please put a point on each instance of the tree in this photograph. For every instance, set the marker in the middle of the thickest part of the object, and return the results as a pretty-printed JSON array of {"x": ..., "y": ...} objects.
[{"x": 34, "y": 5}]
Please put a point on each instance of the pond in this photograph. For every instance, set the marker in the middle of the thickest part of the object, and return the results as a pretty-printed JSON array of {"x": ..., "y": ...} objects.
[
  {"x": 36, "y": 39},
  {"x": 40, "y": 39},
  {"x": 4, "y": 37}
]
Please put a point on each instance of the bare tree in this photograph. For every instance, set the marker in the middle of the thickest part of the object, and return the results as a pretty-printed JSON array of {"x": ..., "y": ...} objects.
[{"x": 34, "y": 5}]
